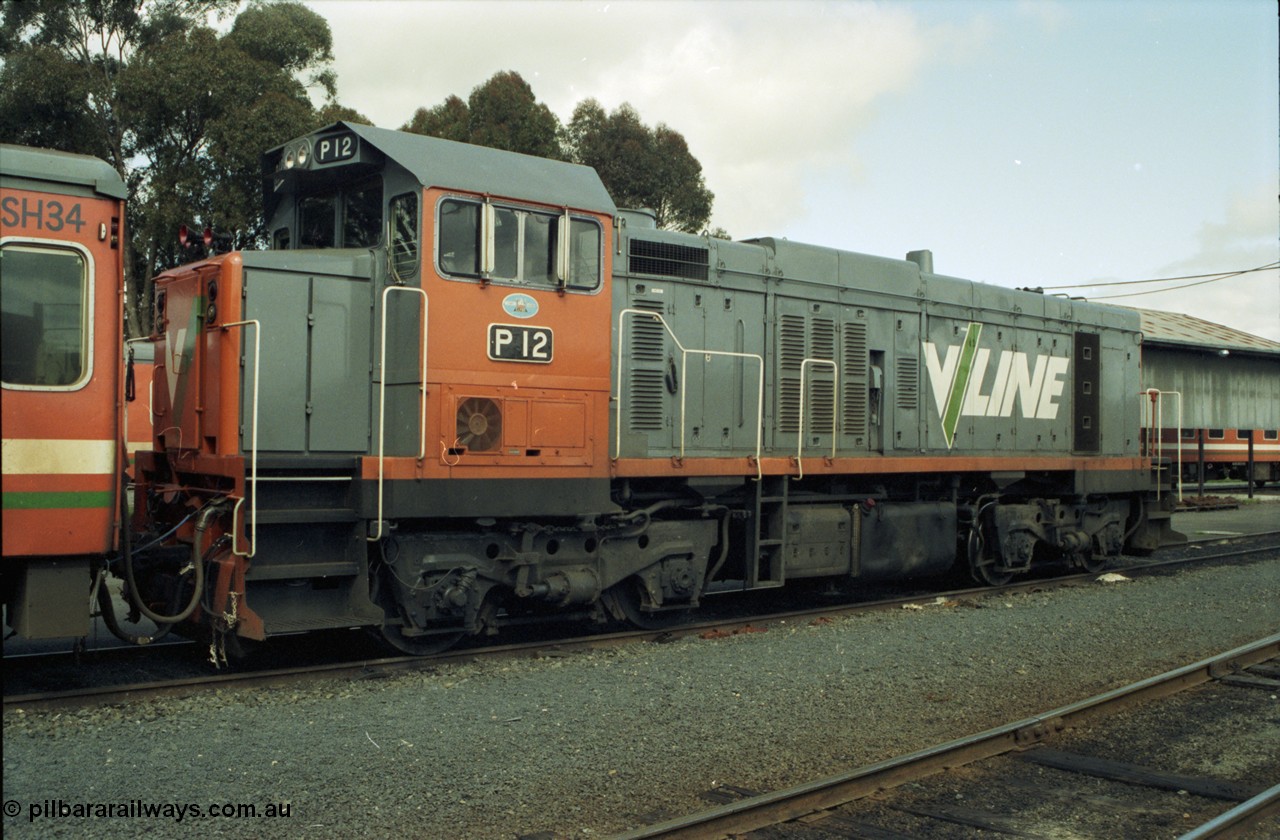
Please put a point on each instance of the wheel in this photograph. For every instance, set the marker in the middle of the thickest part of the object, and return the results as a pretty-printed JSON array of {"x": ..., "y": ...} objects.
[
  {"x": 1091, "y": 563},
  {"x": 982, "y": 563},
  {"x": 626, "y": 598},
  {"x": 427, "y": 645}
]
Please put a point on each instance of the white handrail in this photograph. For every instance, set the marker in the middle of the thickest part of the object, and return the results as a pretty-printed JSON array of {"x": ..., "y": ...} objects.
[
  {"x": 684, "y": 356},
  {"x": 382, "y": 396},
  {"x": 1155, "y": 398},
  {"x": 835, "y": 402},
  {"x": 253, "y": 457}
]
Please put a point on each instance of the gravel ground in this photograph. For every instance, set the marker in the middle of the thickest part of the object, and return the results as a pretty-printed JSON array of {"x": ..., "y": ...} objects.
[{"x": 587, "y": 744}]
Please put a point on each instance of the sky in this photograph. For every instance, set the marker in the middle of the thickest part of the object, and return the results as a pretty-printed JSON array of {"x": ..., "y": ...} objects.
[{"x": 1042, "y": 144}]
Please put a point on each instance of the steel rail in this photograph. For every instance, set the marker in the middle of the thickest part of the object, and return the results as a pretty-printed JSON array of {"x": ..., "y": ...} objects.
[
  {"x": 189, "y": 685},
  {"x": 1248, "y": 813},
  {"x": 781, "y": 806}
]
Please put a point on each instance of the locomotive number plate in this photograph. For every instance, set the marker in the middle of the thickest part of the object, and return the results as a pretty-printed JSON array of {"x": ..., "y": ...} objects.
[
  {"x": 519, "y": 343},
  {"x": 336, "y": 147}
]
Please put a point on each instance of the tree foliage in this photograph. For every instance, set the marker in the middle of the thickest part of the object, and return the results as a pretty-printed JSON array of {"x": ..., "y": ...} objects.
[
  {"x": 640, "y": 166},
  {"x": 502, "y": 113},
  {"x": 181, "y": 111}
]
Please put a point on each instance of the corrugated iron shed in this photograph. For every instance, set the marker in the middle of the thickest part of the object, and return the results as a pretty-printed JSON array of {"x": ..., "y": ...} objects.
[{"x": 1227, "y": 379}]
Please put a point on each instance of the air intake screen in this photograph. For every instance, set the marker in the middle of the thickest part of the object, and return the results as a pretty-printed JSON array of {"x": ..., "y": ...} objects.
[{"x": 668, "y": 260}]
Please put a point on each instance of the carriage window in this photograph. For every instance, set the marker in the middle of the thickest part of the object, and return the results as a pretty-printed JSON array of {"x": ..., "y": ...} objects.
[
  {"x": 403, "y": 210},
  {"x": 525, "y": 246},
  {"x": 1271, "y": 434},
  {"x": 280, "y": 240},
  {"x": 1217, "y": 434},
  {"x": 44, "y": 296}
]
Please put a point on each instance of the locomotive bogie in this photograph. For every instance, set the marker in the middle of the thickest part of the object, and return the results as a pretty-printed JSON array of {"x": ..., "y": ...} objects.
[{"x": 477, "y": 581}]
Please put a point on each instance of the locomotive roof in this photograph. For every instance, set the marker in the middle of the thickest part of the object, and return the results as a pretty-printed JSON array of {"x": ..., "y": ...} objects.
[
  {"x": 445, "y": 163},
  {"x": 49, "y": 166}
]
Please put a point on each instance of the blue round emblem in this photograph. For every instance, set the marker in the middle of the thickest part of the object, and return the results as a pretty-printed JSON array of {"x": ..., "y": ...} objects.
[{"x": 519, "y": 305}]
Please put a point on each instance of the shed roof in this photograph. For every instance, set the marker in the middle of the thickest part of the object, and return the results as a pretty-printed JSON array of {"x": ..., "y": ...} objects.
[{"x": 1175, "y": 329}]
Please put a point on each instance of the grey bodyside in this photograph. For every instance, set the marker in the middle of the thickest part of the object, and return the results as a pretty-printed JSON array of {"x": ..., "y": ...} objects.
[{"x": 787, "y": 302}]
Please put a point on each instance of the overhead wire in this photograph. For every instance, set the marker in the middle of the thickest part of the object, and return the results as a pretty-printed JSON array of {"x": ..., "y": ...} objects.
[{"x": 1201, "y": 278}]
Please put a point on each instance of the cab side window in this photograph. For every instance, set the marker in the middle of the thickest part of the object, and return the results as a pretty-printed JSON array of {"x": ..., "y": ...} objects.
[
  {"x": 403, "y": 210},
  {"x": 516, "y": 246}
]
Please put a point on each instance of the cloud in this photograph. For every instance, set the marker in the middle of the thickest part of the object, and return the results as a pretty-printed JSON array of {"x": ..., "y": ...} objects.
[
  {"x": 1245, "y": 239},
  {"x": 757, "y": 111}
]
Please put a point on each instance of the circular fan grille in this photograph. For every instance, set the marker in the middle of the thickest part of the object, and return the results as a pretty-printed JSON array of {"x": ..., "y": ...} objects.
[{"x": 479, "y": 424}]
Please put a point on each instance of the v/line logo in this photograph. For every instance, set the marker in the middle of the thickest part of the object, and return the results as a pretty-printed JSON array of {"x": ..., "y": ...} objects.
[{"x": 958, "y": 380}]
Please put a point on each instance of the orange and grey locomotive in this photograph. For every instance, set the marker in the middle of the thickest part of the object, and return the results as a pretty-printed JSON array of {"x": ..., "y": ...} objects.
[{"x": 463, "y": 391}]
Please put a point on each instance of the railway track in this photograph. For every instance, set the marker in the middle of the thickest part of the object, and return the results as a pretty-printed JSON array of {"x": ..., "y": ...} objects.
[
  {"x": 1009, "y": 780},
  {"x": 138, "y": 676}
]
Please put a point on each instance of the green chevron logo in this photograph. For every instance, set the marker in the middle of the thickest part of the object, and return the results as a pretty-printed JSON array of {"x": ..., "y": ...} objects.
[
  {"x": 973, "y": 381},
  {"x": 958, "y": 380}
]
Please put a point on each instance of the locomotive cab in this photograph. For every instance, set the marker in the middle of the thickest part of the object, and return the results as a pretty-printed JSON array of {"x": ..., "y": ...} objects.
[{"x": 426, "y": 341}]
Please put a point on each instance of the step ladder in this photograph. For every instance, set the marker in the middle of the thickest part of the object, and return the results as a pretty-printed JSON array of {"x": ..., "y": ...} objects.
[{"x": 767, "y": 532}]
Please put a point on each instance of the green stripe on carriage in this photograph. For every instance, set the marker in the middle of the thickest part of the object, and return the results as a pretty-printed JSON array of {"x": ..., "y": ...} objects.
[{"x": 56, "y": 501}]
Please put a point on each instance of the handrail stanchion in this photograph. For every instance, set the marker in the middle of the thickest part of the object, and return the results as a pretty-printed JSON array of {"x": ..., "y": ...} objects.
[
  {"x": 684, "y": 352},
  {"x": 1153, "y": 398},
  {"x": 835, "y": 401},
  {"x": 253, "y": 456}
]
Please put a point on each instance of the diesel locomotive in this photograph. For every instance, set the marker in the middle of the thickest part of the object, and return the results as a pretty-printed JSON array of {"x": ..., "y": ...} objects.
[{"x": 463, "y": 391}]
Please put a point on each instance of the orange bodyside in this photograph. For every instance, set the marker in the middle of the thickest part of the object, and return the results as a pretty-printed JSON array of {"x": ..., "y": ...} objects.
[
  {"x": 554, "y": 413},
  {"x": 62, "y": 394}
]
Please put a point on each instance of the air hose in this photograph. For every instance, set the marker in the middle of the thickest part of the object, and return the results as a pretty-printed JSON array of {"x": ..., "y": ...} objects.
[{"x": 202, "y": 523}]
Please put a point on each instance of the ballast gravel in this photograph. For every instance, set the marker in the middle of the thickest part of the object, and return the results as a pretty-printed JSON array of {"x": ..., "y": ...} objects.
[{"x": 585, "y": 745}]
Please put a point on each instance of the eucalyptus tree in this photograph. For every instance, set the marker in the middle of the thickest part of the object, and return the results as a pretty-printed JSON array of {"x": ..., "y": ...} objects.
[{"x": 179, "y": 108}]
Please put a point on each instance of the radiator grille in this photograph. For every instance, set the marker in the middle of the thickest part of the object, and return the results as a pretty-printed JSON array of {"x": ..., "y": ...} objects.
[
  {"x": 647, "y": 345},
  {"x": 667, "y": 260},
  {"x": 908, "y": 384},
  {"x": 853, "y": 373}
]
